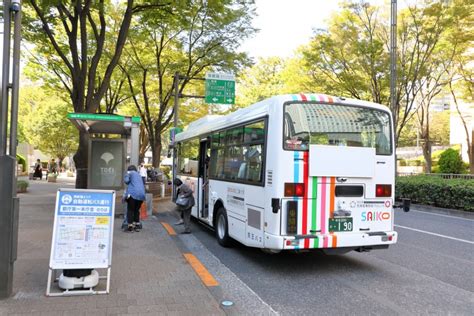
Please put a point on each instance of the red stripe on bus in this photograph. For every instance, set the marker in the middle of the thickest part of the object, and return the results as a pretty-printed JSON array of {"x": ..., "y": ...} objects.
[
  {"x": 303, "y": 97},
  {"x": 305, "y": 197}
]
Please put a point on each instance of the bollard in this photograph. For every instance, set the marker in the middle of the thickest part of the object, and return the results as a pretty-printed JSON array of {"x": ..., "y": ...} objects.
[{"x": 149, "y": 204}]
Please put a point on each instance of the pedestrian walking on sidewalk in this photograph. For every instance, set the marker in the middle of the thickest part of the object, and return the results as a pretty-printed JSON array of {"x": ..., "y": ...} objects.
[
  {"x": 38, "y": 173},
  {"x": 185, "y": 202},
  {"x": 134, "y": 195}
]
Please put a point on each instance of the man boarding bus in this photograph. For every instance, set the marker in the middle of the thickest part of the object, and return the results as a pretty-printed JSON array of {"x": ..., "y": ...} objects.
[{"x": 294, "y": 172}]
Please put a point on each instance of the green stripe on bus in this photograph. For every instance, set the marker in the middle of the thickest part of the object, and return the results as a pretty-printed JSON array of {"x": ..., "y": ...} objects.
[
  {"x": 312, "y": 97},
  {"x": 313, "y": 207}
]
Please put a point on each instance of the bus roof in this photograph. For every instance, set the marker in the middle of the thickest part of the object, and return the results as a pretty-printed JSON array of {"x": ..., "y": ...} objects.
[{"x": 257, "y": 110}]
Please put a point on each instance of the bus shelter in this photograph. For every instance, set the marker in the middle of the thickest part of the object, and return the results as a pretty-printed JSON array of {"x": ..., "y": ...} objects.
[{"x": 113, "y": 145}]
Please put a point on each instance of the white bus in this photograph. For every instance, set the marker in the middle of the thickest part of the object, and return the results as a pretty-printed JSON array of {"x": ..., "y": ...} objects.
[{"x": 294, "y": 172}]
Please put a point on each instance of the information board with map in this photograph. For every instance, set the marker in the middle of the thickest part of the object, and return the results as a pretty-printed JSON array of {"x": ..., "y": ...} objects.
[{"x": 83, "y": 229}]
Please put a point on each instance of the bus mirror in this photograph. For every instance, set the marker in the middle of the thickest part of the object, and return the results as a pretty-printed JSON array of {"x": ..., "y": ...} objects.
[{"x": 275, "y": 205}]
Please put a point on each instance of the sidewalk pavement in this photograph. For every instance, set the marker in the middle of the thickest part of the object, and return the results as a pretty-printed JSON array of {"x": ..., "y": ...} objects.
[{"x": 149, "y": 273}]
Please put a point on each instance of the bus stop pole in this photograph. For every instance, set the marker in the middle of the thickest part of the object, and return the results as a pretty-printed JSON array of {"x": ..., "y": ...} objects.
[
  {"x": 5, "y": 77},
  {"x": 9, "y": 209},
  {"x": 175, "y": 125}
]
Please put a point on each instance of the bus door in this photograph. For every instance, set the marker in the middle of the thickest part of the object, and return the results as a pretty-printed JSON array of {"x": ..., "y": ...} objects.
[{"x": 204, "y": 158}]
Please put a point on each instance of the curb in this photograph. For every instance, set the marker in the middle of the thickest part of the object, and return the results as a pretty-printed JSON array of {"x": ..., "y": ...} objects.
[{"x": 199, "y": 269}]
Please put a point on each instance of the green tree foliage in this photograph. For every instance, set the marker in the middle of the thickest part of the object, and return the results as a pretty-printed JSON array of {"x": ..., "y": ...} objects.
[
  {"x": 450, "y": 161},
  {"x": 191, "y": 38},
  {"x": 349, "y": 58},
  {"x": 262, "y": 80},
  {"x": 80, "y": 46},
  {"x": 46, "y": 126},
  {"x": 440, "y": 128},
  {"x": 273, "y": 76}
]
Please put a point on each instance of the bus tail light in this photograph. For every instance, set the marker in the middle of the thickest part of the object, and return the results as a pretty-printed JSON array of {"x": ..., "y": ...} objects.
[
  {"x": 294, "y": 189},
  {"x": 383, "y": 190}
]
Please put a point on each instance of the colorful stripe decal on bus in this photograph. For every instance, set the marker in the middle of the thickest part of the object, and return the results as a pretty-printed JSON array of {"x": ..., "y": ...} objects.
[
  {"x": 305, "y": 197},
  {"x": 314, "y": 201},
  {"x": 312, "y": 97},
  {"x": 323, "y": 212},
  {"x": 296, "y": 175},
  {"x": 332, "y": 195}
]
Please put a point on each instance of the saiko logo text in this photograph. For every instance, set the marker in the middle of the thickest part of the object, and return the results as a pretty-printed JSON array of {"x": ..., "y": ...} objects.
[{"x": 375, "y": 216}]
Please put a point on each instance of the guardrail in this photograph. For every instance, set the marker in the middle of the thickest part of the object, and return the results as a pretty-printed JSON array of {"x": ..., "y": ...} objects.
[{"x": 440, "y": 175}]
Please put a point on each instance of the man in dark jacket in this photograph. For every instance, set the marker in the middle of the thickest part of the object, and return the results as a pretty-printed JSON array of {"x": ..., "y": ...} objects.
[{"x": 185, "y": 192}]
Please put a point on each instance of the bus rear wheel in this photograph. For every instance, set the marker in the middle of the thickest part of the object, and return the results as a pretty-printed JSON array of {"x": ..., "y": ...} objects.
[{"x": 222, "y": 228}]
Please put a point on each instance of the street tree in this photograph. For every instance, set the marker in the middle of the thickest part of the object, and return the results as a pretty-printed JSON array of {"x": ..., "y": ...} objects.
[
  {"x": 261, "y": 81},
  {"x": 190, "y": 38},
  {"x": 45, "y": 126},
  {"x": 349, "y": 57},
  {"x": 461, "y": 75},
  {"x": 70, "y": 40}
]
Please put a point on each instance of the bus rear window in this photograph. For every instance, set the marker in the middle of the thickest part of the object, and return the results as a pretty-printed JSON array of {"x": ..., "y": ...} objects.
[{"x": 338, "y": 125}]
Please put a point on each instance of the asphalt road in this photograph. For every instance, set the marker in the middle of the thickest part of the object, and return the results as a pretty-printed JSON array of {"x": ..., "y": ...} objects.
[{"x": 429, "y": 271}]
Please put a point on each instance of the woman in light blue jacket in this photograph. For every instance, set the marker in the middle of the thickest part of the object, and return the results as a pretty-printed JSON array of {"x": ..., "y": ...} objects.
[{"x": 134, "y": 196}]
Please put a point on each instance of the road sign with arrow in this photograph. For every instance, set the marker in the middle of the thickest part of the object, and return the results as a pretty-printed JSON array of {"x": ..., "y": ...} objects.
[{"x": 220, "y": 88}]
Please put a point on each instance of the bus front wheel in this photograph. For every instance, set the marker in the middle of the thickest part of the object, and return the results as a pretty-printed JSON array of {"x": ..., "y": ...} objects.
[{"x": 222, "y": 228}]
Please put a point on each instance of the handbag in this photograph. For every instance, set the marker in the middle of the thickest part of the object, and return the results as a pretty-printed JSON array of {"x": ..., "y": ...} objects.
[{"x": 182, "y": 201}]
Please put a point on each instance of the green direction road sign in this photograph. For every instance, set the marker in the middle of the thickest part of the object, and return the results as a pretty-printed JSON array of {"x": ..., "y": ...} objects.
[{"x": 220, "y": 88}]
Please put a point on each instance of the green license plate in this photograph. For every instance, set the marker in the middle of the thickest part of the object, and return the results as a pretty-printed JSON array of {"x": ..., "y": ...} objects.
[{"x": 340, "y": 224}]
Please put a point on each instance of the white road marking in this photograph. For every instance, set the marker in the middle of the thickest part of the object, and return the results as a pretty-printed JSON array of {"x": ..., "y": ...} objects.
[
  {"x": 434, "y": 234},
  {"x": 449, "y": 216}
]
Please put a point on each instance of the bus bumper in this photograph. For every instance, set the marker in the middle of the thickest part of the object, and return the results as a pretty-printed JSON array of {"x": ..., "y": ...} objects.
[{"x": 332, "y": 240}]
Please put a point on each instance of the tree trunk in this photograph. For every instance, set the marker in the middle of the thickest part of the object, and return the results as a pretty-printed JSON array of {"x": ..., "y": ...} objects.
[
  {"x": 427, "y": 155},
  {"x": 470, "y": 152},
  {"x": 81, "y": 160},
  {"x": 60, "y": 163},
  {"x": 156, "y": 152}
]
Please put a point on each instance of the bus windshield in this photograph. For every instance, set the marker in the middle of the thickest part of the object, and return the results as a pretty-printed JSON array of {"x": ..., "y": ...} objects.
[{"x": 337, "y": 125}]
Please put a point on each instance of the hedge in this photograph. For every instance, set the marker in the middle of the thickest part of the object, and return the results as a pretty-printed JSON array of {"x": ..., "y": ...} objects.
[{"x": 436, "y": 191}]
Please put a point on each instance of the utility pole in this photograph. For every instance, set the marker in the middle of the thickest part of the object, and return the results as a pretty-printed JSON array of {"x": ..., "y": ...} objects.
[
  {"x": 9, "y": 208},
  {"x": 177, "y": 77},
  {"x": 393, "y": 70},
  {"x": 393, "y": 58},
  {"x": 175, "y": 125}
]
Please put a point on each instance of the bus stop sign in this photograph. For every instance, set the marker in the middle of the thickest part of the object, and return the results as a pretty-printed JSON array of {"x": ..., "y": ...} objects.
[{"x": 220, "y": 88}]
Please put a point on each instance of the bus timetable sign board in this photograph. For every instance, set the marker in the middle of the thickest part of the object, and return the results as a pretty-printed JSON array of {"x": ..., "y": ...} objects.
[
  {"x": 83, "y": 229},
  {"x": 220, "y": 88}
]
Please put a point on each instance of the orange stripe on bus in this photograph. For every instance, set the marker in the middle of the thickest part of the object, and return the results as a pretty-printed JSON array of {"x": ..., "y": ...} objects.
[
  {"x": 168, "y": 228},
  {"x": 332, "y": 193},
  {"x": 200, "y": 270},
  {"x": 334, "y": 241}
]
